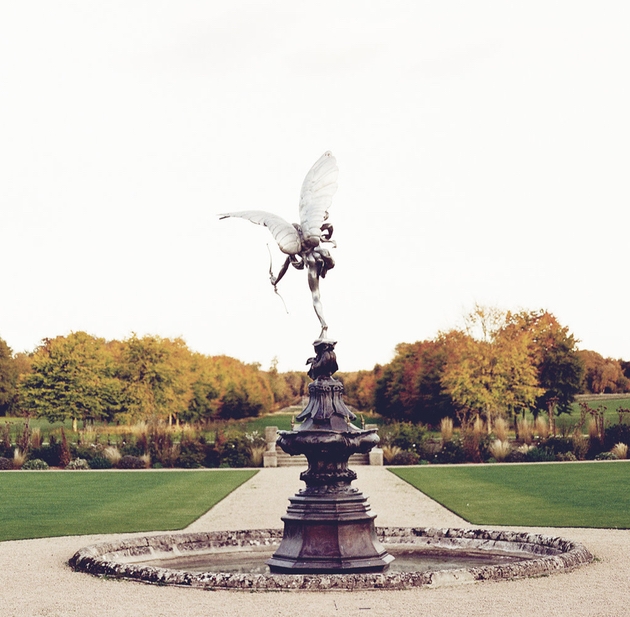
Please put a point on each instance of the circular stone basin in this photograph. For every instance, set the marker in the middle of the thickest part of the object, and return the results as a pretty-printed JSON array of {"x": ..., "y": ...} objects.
[{"x": 425, "y": 557}]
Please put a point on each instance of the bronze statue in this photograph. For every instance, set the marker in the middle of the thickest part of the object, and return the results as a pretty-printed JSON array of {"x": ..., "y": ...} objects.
[{"x": 303, "y": 243}]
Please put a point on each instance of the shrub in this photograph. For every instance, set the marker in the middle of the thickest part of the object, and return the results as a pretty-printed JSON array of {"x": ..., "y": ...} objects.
[
  {"x": 131, "y": 462},
  {"x": 49, "y": 453},
  {"x": 5, "y": 441},
  {"x": 78, "y": 464},
  {"x": 606, "y": 456},
  {"x": 212, "y": 456},
  {"x": 580, "y": 446},
  {"x": 130, "y": 449},
  {"x": 85, "y": 451},
  {"x": 64, "y": 455},
  {"x": 35, "y": 464},
  {"x": 405, "y": 457},
  {"x": 406, "y": 436},
  {"x": 5, "y": 463},
  {"x": 516, "y": 456},
  {"x": 100, "y": 462},
  {"x": 160, "y": 445},
  {"x": 191, "y": 454},
  {"x": 475, "y": 443},
  {"x": 540, "y": 454},
  {"x": 451, "y": 452},
  {"x": 235, "y": 452},
  {"x": 559, "y": 445},
  {"x": 566, "y": 456},
  {"x": 617, "y": 433}
]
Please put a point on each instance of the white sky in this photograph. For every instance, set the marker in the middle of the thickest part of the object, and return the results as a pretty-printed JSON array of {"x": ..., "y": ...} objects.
[{"x": 483, "y": 150}]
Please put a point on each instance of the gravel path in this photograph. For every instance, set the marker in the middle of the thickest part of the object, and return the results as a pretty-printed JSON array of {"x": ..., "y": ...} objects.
[{"x": 35, "y": 580}]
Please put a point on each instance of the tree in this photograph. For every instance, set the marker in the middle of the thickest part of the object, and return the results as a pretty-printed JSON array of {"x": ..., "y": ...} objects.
[
  {"x": 602, "y": 374},
  {"x": 553, "y": 351},
  {"x": 73, "y": 377},
  {"x": 8, "y": 379},
  {"x": 224, "y": 388},
  {"x": 157, "y": 377},
  {"x": 359, "y": 387},
  {"x": 409, "y": 388},
  {"x": 488, "y": 370}
]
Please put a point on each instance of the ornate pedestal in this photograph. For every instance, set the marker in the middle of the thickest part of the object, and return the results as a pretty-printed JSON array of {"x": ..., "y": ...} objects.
[{"x": 329, "y": 526}]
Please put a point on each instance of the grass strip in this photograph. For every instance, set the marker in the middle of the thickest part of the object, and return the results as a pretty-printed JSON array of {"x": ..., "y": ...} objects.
[
  {"x": 593, "y": 494},
  {"x": 59, "y": 503}
]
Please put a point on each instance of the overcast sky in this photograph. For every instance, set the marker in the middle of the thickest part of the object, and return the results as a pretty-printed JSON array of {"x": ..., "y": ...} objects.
[{"x": 483, "y": 150}]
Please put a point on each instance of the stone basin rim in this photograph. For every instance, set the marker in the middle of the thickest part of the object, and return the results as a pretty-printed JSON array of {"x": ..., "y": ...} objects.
[{"x": 542, "y": 554}]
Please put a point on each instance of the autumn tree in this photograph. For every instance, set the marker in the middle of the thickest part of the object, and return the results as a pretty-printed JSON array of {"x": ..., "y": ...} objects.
[
  {"x": 72, "y": 377},
  {"x": 410, "y": 387},
  {"x": 602, "y": 374},
  {"x": 283, "y": 395},
  {"x": 157, "y": 377},
  {"x": 224, "y": 388},
  {"x": 553, "y": 352},
  {"x": 359, "y": 388},
  {"x": 488, "y": 370},
  {"x": 8, "y": 379}
]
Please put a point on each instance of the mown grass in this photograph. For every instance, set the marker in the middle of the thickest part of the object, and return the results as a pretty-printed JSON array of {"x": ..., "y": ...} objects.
[
  {"x": 544, "y": 495},
  {"x": 48, "y": 503}
]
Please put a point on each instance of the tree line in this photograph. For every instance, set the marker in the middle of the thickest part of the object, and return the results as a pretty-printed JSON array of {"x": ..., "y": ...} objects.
[
  {"x": 498, "y": 364},
  {"x": 83, "y": 377}
]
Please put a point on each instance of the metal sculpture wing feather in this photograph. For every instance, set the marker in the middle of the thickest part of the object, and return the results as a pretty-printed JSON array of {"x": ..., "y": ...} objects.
[
  {"x": 318, "y": 189},
  {"x": 285, "y": 234}
]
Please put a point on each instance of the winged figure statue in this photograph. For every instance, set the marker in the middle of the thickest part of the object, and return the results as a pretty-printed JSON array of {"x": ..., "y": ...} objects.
[{"x": 302, "y": 243}]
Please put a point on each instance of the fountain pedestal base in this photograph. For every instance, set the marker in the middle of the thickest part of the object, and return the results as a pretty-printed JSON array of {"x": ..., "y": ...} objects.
[{"x": 329, "y": 533}]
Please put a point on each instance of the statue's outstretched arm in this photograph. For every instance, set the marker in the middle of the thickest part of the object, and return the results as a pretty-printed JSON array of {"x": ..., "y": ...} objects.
[{"x": 276, "y": 279}]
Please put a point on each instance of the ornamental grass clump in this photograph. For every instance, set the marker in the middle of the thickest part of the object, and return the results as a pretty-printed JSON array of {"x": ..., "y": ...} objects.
[
  {"x": 500, "y": 449},
  {"x": 541, "y": 428},
  {"x": 620, "y": 450},
  {"x": 36, "y": 438},
  {"x": 525, "y": 430},
  {"x": 112, "y": 454},
  {"x": 501, "y": 429},
  {"x": 390, "y": 453},
  {"x": 19, "y": 458},
  {"x": 446, "y": 430}
]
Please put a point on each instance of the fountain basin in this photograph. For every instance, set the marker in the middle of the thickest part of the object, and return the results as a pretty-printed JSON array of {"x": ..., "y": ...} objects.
[{"x": 499, "y": 555}]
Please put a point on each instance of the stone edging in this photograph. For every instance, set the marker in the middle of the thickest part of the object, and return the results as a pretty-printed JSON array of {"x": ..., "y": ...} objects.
[{"x": 542, "y": 555}]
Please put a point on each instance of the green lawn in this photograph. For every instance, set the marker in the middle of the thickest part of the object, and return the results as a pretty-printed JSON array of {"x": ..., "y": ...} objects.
[
  {"x": 545, "y": 495},
  {"x": 60, "y": 503}
]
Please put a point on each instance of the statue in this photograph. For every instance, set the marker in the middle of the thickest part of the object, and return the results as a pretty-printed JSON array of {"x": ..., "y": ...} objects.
[
  {"x": 329, "y": 526},
  {"x": 303, "y": 243}
]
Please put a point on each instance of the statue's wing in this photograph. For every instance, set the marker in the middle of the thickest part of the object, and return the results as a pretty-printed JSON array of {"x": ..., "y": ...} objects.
[
  {"x": 318, "y": 189},
  {"x": 284, "y": 233}
]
